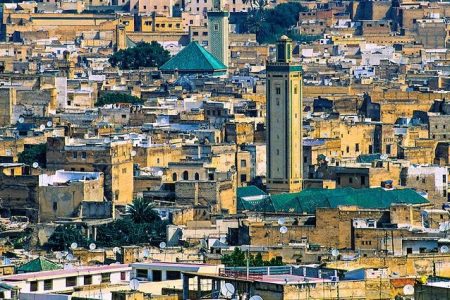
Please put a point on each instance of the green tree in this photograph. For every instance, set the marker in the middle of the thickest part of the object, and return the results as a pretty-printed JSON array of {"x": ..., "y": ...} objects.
[
  {"x": 141, "y": 211},
  {"x": 142, "y": 55},
  {"x": 238, "y": 258},
  {"x": 64, "y": 236},
  {"x": 34, "y": 153},
  {"x": 112, "y": 98}
]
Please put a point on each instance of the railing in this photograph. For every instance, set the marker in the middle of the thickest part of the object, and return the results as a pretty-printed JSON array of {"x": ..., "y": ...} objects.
[{"x": 254, "y": 272}]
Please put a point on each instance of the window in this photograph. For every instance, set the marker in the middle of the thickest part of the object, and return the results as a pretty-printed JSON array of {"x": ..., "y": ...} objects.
[
  {"x": 363, "y": 180},
  {"x": 348, "y": 149},
  {"x": 185, "y": 175},
  {"x": 357, "y": 147},
  {"x": 55, "y": 206},
  {"x": 444, "y": 178},
  {"x": 123, "y": 276},
  {"x": 197, "y": 176},
  {"x": 71, "y": 281},
  {"x": 157, "y": 275},
  {"x": 83, "y": 155},
  {"x": 141, "y": 273},
  {"x": 216, "y": 27},
  {"x": 87, "y": 279},
  {"x": 173, "y": 275},
  {"x": 48, "y": 284},
  {"x": 243, "y": 178},
  {"x": 33, "y": 286},
  {"x": 74, "y": 155},
  {"x": 243, "y": 163},
  {"x": 388, "y": 149},
  {"x": 174, "y": 177},
  {"x": 305, "y": 159},
  {"x": 106, "y": 277},
  {"x": 278, "y": 90},
  {"x": 350, "y": 180},
  {"x": 338, "y": 180},
  {"x": 124, "y": 170}
]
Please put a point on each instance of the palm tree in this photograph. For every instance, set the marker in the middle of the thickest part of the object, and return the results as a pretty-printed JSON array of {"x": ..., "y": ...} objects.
[{"x": 141, "y": 211}]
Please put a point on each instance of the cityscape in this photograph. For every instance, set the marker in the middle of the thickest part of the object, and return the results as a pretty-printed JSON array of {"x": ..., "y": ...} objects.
[{"x": 224, "y": 149}]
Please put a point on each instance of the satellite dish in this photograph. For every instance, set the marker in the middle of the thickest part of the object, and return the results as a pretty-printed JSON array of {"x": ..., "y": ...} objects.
[
  {"x": 6, "y": 261},
  {"x": 42, "y": 127},
  {"x": 444, "y": 249},
  {"x": 69, "y": 257},
  {"x": 116, "y": 250},
  {"x": 146, "y": 253},
  {"x": 49, "y": 124},
  {"x": 134, "y": 284},
  {"x": 227, "y": 290},
  {"x": 68, "y": 266},
  {"x": 35, "y": 165},
  {"x": 73, "y": 246},
  {"x": 283, "y": 229},
  {"x": 335, "y": 252},
  {"x": 408, "y": 289},
  {"x": 384, "y": 156},
  {"x": 133, "y": 153},
  {"x": 92, "y": 246},
  {"x": 281, "y": 221},
  {"x": 58, "y": 255},
  {"x": 21, "y": 120},
  {"x": 256, "y": 297},
  {"x": 223, "y": 239},
  {"x": 162, "y": 245}
]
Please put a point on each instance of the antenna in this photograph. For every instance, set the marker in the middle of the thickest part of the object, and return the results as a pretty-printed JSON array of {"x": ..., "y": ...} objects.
[
  {"x": 408, "y": 289},
  {"x": 92, "y": 246},
  {"x": 73, "y": 246},
  {"x": 283, "y": 229},
  {"x": 162, "y": 245},
  {"x": 35, "y": 165},
  {"x": 444, "y": 249},
  {"x": 134, "y": 284},
  {"x": 281, "y": 221},
  {"x": 227, "y": 290},
  {"x": 69, "y": 257}
]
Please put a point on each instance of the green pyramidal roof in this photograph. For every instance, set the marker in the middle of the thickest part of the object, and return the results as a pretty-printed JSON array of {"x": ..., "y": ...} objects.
[
  {"x": 37, "y": 265},
  {"x": 193, "y": 58}
]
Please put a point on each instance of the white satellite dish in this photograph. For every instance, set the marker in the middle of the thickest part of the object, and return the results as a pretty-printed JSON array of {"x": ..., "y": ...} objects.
[
  {"x": 58, "y": 255},
  {"x": 21, "y": 120},
  {"x": 69, "y": 257},
  {"x": 49, "y": 124},
  {"x": 134, "y": 284},
  {"x": 92, "y": 246},
  {"x": 42, "y": 127},
  {"x": 335, "y": 252},
  {"x": 223, "y": 239},
  {"x": 133, "y": 153},
  {"x": 227, "y": 290},
  {"x": 444, "y": 249},
  {"x": 68, "y": 266},
  {"x": 283, "y": 229},
  {"x": 146, "y": 253},
  {"x": 6, "y": 261},
  {"x": 162, "y": 245},
  {"x": 116, "y": 250},
  {"x": 35, "y": 165},
  {"x": 384, "y": 156},
  {"x": 256, "y": 297},
  {"x": 408, "y": 289},
  {"x": 281, "y": 221},
  {"x": 73, "y": 246}
]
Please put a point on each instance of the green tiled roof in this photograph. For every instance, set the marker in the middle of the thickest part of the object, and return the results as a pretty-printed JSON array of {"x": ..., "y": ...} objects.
[
  {"x": 307, "y": 201},
  {"x": 246, "y": 192},
  {"x": 193, "y": 58},
  {"x": 368, "y": 158},
  {"x": 37, "y": 265}
]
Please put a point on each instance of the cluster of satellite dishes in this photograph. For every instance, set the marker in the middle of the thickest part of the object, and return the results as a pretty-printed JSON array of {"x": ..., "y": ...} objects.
[
  {"x": 41, "y": 127},
  {"x": 227, "y": 290}
]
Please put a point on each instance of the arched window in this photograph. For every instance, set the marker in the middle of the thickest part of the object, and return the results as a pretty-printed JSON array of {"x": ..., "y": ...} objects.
[
  {"x": 197, "y": 177},
  {"x": 185, "y": 175},
  {"x": 174, "y": 177}
]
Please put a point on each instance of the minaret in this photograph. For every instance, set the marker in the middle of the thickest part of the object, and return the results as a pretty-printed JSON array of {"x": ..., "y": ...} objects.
[
  {"x": 284, "y": 102},
  {"x": 120, "y": 37},
  {"x": 218, "y": 30}
]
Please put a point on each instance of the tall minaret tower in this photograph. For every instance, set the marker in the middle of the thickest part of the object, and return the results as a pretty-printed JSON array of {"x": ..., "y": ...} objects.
[
  {"x": 218, "y": 30},
  {"x": 284, "y": 102}
]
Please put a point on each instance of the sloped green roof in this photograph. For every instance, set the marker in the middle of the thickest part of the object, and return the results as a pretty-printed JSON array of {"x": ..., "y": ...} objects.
[
  {"x": 129, "y": 42},
  {"x": 368, "y": 158},
  {"x": 37, "y": 265},
  {"x": 307, "y": 201},
  {"x": 248, "y": 192},
  {"x": 193, "y": 58}
]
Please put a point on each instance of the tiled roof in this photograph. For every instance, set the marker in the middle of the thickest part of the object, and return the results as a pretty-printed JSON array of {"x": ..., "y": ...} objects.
[
  {"x": 193, "y": 58},
  {"x": 307, "y": 201},
  {"x": 37, "y": 265}
]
